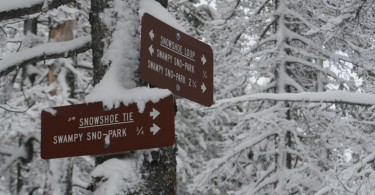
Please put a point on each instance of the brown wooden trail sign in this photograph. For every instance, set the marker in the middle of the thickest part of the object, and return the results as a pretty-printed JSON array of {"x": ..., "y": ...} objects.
[
  {"x": 88, "y": 129},
  {"x": 176, "y": 61}
]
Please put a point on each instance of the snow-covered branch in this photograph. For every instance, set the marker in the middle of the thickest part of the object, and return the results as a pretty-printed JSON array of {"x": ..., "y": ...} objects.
[
  {"x": 44, "y": 52},
  {"x": 264, "y": 175},
  {"x": 20, "y": 153},
  {"x": 235, "y": 151},
  {"x": 343, "y": 97},
  {"x": 7, "y": 151},
  {"x": 16, "y": 8}
]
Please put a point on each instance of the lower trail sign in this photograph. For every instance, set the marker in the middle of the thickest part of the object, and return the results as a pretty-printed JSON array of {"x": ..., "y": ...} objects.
[{"x": 88, "y": 129}]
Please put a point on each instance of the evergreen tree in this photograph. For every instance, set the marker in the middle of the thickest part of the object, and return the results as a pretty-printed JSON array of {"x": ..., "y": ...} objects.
[{"x": 283, "y": 147}]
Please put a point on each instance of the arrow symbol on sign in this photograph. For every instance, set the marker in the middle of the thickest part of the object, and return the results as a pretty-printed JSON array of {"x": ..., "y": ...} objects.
[
  {"x": 203, "y": 87},
  {"x": 203, "y": 59},
  {"x": 154, "y": 113},
  {"x": 154, "y": 129},
  {"x": 151, "y": 50},
  {"x": 152, "y": 35}
]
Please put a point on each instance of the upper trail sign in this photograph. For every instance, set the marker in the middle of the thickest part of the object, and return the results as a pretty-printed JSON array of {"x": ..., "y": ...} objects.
[
  {"x": 87, "y": 129},
  {"x": 174, "y": 60}
]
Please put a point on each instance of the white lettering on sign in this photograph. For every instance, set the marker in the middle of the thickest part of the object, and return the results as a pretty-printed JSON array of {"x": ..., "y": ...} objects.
[
  {"x": 117, "y": 133},
  {"x": 170, "y": 45},
  {"x": 128, "y": 116},
  {"x": 169, "y": 73},
  {"x": 164, "y": 56},
  {"x": 98, "y": 120},
  {"x": 180, "y": 78},
  {"x": 179, "y": 63},
  {"x": 63, "y": 139},
  {"x": 112, "y": 133},
  {"x": 189, "y": 67},
  {"x": 192, "y": 83},
  {"x": 91, "y": 136},
  {"x": 177, "y": 48},
  {"x": 189, "y": 53},
  {"x": 105, "y": 120},
  {"x": 155, "y": 67}
]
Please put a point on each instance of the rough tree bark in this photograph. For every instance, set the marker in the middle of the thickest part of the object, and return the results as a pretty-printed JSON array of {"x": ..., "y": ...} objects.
[
  {"x": 98, "y": 32},
  {"x": 159, "y": 174}
]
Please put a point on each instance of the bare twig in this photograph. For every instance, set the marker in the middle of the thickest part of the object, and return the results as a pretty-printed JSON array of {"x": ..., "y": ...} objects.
[
  {"x": 13, "y": 109},
  {"x": 19, "y": 46}
]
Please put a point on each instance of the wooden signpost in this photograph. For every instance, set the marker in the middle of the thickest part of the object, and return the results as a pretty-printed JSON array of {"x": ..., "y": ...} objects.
[
  {"x": 176, "y": 61},
  {"x": 169, "y": 59},
  {"x": 89, "y": 129}
]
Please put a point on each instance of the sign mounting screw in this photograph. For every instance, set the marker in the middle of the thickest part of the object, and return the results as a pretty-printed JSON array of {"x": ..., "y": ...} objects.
[
  {"x": 178, "y": 88},
  {"x": 178, "y": 36}
]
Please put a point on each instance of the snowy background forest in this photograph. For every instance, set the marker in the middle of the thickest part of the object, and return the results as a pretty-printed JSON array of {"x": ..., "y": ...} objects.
[{"x": 294, "y": 109}]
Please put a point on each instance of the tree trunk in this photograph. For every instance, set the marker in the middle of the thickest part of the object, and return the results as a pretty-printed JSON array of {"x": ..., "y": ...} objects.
[
  {"x": 98, "y": 32},
  {"x": 159, "y": 173}
]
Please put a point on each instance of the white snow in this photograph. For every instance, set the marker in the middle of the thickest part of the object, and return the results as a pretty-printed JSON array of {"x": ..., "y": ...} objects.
[
  {"x": 113, "y": 95},
  {"x": 211, "y": 3},
  {"x": 118, "y": 84},
  {"x": 40, "y": 50},
  {"x": 158, "y": 11},
  {"x": 51, "y": 111},
  {"x": 3, "y": 39},
  {"x": 19, "y": 153},
  {"x": 6, "y": 5},
  {"x": 8, "y": 151},
  {"x": 329, "y": 97},
  {"x": 121, "y": 175},
  {"x": 57, "y": 171}
]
